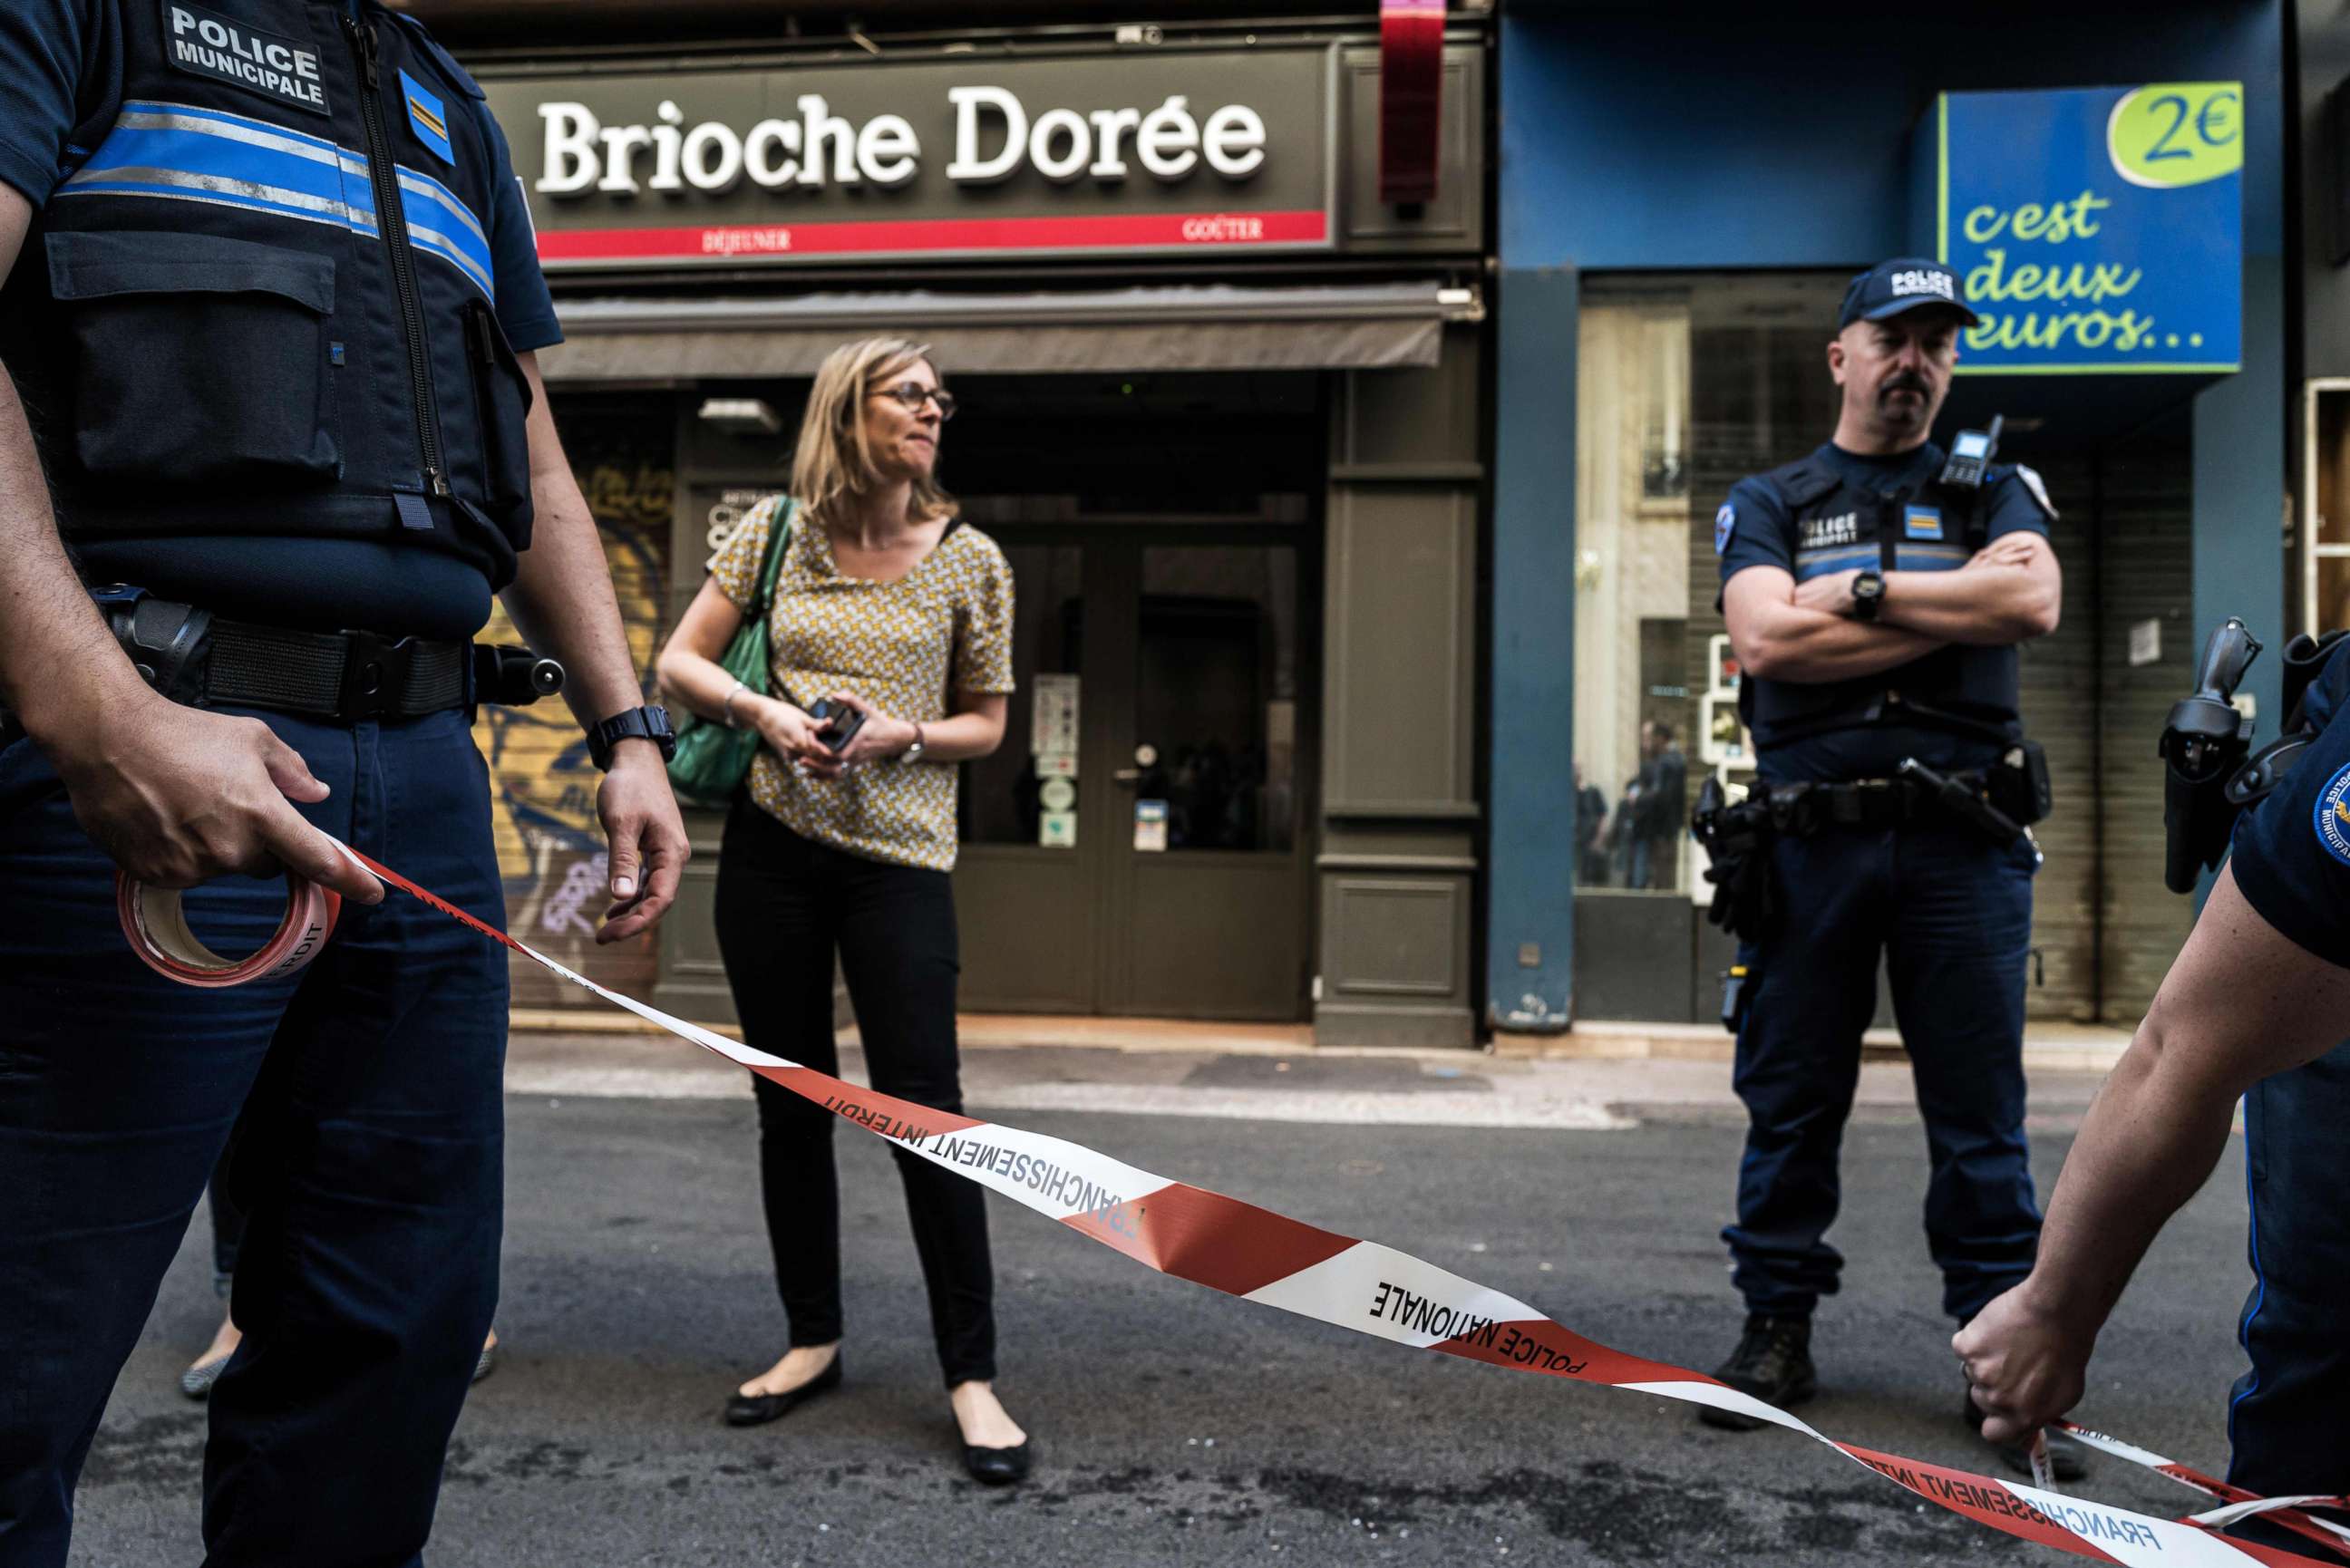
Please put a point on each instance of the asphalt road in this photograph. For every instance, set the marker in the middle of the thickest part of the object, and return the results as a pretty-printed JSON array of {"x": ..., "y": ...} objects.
[{"x": 1178, "y": 1427}]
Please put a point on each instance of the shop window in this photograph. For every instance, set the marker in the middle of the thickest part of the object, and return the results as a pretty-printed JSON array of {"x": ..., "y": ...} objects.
[
  {"x": 1216, "y": 694},
  {"x": 2325, "y": 568},
  {"x": 1683, "y": 386}
]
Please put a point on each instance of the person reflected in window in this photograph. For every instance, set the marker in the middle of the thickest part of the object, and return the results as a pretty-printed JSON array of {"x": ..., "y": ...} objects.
[
  {"x": 1590, "y": 822},
  {"x": 1658, "y": 806},
  {"x": 885, "y": 604}
]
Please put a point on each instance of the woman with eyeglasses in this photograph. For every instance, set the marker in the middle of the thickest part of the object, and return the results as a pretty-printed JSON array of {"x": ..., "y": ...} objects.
[{"x": 888, "y": 607}]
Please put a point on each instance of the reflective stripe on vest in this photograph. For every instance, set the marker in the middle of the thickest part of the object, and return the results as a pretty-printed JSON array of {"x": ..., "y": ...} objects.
[{"x": 181, "y": 152}]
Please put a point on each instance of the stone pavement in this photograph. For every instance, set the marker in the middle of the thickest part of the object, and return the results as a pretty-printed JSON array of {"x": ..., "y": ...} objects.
[{"x": 1596, "y": 1080}]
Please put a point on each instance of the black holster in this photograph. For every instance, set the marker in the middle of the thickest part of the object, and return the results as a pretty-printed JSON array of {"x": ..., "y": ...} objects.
[
  {"x": 2018, "y": 785},
  {"x": 1747, "y": 899}
]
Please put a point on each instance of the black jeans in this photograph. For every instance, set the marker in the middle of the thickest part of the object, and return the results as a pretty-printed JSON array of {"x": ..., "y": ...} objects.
[{"x": 784, "y": 905}]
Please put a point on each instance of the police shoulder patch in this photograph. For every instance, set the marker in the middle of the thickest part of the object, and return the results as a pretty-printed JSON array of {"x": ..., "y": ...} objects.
[
  {"x": 1725, "y": 523},
  {"x": 2332, "y": 817},
  {"x": 2039, "y": 488},
  {"x": 427, "y": 117}
]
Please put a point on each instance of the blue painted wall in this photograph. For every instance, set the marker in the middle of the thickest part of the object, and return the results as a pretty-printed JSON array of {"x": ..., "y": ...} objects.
[
  {"x": 1676, "y": 138},
  {"x": 1530, "y": 891},
  {"x": 1687, "y": 136}
]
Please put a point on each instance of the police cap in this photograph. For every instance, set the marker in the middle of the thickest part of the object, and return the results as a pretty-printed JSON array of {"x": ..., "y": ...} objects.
[{"x": 1905, "y": 283}]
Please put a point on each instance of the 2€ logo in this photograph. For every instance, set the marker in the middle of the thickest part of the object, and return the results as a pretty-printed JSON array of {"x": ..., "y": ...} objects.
[
  {"x": 1725, "y": 523},
  {"x": 2333, "y": 816}
]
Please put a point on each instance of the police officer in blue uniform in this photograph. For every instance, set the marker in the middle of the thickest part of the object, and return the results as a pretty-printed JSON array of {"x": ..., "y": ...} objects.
[
  {"x": 1875, "y": 595},
  {"x": 269, "y": 324},
  {"x": 2257, "y": 1007}
]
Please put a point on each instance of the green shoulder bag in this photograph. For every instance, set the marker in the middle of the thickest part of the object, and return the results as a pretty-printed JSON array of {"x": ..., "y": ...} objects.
[{"x": 712, "y": 759}]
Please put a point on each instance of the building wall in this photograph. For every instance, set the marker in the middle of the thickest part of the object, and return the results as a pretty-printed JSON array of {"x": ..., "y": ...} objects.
[
  {"x": 542, "y": 785},
  {"x": 1698, "y": 137},
  {"x": 2325, "y": 40}
]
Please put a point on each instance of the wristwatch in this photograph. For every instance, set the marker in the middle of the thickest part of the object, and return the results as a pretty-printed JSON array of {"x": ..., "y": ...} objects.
[
  {"x": 1868, "y": 595},
  {"x": 914, "y": 751},
  {"x": 645, "y": 723}
]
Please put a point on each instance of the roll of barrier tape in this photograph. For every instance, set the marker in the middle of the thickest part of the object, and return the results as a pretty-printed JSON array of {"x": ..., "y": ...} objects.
[{"x": 157, "y": 924}]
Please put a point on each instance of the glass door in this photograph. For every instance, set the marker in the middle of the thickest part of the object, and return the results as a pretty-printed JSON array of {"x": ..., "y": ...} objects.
[
  {"x": 1026, "y": 883},
  {"x": 1135, "y": 846},
  {"x": 1205, "y": 871}
]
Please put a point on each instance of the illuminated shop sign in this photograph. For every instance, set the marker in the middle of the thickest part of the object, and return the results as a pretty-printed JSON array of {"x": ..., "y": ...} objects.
[{"x": 1167, "y": 152}]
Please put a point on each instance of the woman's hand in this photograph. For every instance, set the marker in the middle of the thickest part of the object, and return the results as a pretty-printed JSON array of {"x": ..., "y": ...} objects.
[
  {"x": 791, "y": 734},
  {"x": 881, "y": 738}
]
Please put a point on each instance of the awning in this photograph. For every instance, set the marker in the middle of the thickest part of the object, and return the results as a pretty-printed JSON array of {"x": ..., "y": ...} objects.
[{"x": 1338, "y": 328}]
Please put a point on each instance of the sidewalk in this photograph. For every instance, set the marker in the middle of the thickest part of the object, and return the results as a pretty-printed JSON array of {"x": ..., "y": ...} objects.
[{"x": 1595, "y": 1078}]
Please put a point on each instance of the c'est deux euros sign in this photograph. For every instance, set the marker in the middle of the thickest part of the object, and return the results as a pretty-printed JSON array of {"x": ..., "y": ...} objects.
[{"x": 2097, "y": 230}]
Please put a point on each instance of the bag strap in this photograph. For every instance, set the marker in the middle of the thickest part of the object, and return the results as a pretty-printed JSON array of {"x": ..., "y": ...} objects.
[{"x": 779, "y": 535}]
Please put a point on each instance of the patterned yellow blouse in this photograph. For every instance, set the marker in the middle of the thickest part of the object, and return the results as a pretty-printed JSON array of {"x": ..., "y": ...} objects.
[{"x": 902, "y": 647}]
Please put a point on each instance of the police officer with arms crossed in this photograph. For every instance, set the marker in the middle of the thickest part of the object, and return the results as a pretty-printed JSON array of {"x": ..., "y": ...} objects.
[
  {"x": 270, "y": 306},
  {"x": 1876, "y": 609},
  {"x": 2257, "y": 1007}
]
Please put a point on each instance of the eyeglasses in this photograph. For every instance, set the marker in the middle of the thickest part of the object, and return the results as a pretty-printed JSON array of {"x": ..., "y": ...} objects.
[{"x": 913, "y": 395}]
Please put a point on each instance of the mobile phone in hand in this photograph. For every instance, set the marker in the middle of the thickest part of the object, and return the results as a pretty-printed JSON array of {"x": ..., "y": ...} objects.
[{"x": 840, "y": 725}]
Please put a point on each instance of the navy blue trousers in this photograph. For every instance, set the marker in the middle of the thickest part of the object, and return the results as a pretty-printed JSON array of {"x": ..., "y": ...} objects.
[
  {"x": 2289, "y": 1420},
  {"x": 1952, "y": 916},
  {"x": 369, "y": 1160}
]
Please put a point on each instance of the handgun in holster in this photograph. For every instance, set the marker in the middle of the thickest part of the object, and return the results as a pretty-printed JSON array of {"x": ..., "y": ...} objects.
[
  {"x": 2204, "y": 749},
  {"x": 1737, "y": 840}
]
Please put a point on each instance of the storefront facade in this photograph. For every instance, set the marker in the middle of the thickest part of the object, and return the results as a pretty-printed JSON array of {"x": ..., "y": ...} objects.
[
  {"x": 1224, "y": 405},
  {"x": 1683, "y": 194}
]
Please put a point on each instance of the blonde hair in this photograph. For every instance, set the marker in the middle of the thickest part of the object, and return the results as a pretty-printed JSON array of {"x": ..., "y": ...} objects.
[{"x": 833, "y": 461}]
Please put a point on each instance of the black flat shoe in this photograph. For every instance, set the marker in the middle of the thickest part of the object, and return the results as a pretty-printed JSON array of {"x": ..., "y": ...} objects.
[
  {"x": 758, "y": 1409},
  {"x": 997, "y": 1467}
]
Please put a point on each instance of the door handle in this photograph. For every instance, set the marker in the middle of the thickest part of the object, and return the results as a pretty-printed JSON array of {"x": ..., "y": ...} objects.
[{"x": 1127, "y": 775}]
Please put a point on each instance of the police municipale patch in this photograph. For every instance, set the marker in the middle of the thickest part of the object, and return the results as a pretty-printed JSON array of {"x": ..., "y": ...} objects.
[
  {"x": 2333, "y": 816},
  {"x": 1725, "y": 523}
]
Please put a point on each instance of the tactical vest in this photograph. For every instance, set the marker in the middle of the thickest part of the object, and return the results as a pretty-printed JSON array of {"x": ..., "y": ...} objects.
[
  {"x": 1972, "y": 691},
  {"x": 263, "y": 299}
]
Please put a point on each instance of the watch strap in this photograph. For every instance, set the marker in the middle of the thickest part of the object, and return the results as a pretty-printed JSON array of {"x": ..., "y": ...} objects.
[{"x": 649, "y": 722}]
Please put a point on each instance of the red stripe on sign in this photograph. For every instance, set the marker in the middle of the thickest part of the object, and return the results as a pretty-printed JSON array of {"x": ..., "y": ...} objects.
[
  {"x": 2079, "y": 1527},
  {"x": 1538, "y": 1344},
  {"x": 1212, "y": 1240},
  {"x": 1118, "y": 231}
]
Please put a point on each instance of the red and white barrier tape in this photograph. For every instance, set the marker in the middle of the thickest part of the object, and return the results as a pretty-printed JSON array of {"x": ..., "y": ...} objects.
[
  {"x": 1244, "y": 1251},
  {"x": 2284, "y": 1512}
]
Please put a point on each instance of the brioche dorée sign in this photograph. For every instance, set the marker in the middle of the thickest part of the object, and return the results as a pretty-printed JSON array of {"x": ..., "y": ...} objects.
[{"x": 1128, "y": 152}]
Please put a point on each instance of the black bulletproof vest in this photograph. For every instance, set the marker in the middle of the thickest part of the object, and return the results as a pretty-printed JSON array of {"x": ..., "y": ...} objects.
[
  {"x": 1969, "y": 690},
  {"x": 262, "y": 302}
]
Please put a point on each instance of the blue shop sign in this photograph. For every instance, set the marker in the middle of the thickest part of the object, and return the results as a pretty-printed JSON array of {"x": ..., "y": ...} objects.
[{"x": 2098, "y": 230}]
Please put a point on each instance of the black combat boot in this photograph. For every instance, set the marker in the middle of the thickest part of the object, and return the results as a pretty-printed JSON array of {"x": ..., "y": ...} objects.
[
  {"x": 1774, "y": 1363},
  {"x": 2068, "y": 1459}
]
